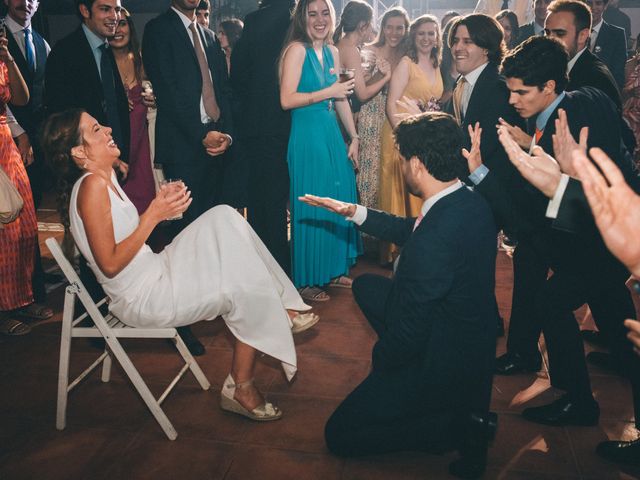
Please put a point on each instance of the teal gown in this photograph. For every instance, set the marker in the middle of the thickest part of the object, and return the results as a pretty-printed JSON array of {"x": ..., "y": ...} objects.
[{"x": 323, "y": 245}]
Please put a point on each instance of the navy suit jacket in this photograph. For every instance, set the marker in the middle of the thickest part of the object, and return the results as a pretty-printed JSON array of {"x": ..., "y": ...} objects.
[
  {"x": 490, "y": 101},
  {"x": 440, "y": 310},
  {"x": 611, "y": 48},
  {"x": 30, "y": 116},
  {"x": 172, "y": 66},
  {"x": 72, "y": 81}
]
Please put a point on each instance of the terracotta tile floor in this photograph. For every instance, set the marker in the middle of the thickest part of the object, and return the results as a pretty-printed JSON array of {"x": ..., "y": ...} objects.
[{"x": 110, "y": 434}]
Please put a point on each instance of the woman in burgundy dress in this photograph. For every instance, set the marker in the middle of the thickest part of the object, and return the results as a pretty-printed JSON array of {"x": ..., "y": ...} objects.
[{"x": 139, "y": 185}]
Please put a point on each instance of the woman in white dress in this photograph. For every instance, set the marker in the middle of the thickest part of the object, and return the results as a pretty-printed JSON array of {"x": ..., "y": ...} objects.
[{"x": 216, "y": 266}]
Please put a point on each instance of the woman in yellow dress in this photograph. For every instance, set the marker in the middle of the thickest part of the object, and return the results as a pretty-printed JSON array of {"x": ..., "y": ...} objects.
[{"x": 418, "y": 78}]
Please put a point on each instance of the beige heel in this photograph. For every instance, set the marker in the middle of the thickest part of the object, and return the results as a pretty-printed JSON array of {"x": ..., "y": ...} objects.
[{"x": 262, "y": 413}]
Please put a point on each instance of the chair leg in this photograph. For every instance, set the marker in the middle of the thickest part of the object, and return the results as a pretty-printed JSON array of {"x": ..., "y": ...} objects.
[
  {"x": 63, "y": 370},
  {"x": 131, "y": 371},
  {"x": 106, "y": 367},
  {"x": 193, "y": 365}
]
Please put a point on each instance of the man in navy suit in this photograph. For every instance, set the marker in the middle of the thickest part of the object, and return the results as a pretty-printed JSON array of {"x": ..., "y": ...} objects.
[
  {"x": 185, "y": 62},
  {"x": 82, "y": 73},
  {"x": 583, "y": 269},
  {"x": 430, "y": 384},
  {"x": 608, "y": 42}
]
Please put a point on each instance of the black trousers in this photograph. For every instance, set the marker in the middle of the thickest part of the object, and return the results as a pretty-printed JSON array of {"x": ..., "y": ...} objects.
[
  {"x": 546, "y": 305},
  {"x": 269, "y": 193},
  {"x": 386, "y": 412}
]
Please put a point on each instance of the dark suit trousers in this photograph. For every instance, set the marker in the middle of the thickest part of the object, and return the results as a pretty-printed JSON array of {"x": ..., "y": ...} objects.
[
  {"x": 385, "y": 413},
  {"x": 269, "y": 193},
  {"x": 529, "y": 275}
]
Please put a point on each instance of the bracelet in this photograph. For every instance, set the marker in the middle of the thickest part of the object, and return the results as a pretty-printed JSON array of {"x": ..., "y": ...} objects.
[
  {"x": 310, "y": 99},
  {"x": 355, "y": 137}
]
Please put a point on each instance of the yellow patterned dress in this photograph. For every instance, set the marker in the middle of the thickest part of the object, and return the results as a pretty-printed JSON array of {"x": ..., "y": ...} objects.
[{"x": 392, "y": 194}]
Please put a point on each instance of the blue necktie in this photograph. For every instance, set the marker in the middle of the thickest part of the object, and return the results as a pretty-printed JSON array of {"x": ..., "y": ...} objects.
[
  {"x": 28, "y": 50},
  {"x": 110, "y": 98}
]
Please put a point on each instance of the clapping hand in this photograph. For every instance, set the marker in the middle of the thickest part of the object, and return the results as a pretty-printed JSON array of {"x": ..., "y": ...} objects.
[
  {"x": 516, "y": 133},
  {"x": 473, "y": 156},
  {"x": 615, "y": 206},
  {"x": 564, "y": 145},
  {"x": 539, "y": 169},
  {"x": 336, "y": 206}
]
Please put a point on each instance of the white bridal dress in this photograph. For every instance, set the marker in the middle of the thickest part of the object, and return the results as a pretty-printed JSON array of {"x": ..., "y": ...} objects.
[{"x": 215, "y": 266}]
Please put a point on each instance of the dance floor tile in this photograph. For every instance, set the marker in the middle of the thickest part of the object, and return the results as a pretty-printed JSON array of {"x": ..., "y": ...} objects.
[
  {"x": 272, "y": 464},
  {"x": 324, "y": 376},
  {"x": 524, "y": 446},
  {"x": 301, "y": 427},
  {"x": 74, "y": 453},
  {"x": 584, "y": 442},
  {"x": 153, "y": 457}
]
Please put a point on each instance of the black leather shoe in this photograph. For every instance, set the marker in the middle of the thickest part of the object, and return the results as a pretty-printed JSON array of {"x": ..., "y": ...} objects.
[
  {"x": 512, "y": 363},
  {"x": 565, "y": 411},
  {"x": 193, "y": 344},
  {"x": 620, "y": 452},
  {"x": 479, "y": 430},
  {"x": 606, "y": 361},
  {"x": 594, "y": 337}
]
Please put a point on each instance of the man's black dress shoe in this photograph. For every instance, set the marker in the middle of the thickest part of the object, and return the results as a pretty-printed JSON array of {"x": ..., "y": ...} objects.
[
  {"x": 594, "y": 337},
  {"x": 605, "y": 361},
  {"x": 193, "y": 344},
  {"x": 477, "y": 431},
  {"x": 620, "y": 452},
  {"x": 565, "y": 411},
  {"x": 512, "y": 363}
]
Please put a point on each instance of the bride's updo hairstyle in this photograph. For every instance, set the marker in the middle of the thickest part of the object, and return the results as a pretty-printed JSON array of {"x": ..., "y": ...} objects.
[{"x": 60, "y": 134}]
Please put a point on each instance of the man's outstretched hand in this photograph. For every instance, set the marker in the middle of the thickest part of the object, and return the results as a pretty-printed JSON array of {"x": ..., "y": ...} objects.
[{"x": 336, "y": 206}]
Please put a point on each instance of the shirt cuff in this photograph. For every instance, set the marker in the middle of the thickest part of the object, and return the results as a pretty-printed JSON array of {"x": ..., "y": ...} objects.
[
  {"x": 14, "y": 126},
  {"x": 478, "y": 174},
  {"x": 360, "y": 216},
  {"x": 554, "y": 203},
  {"x": 230, "y": 139}
]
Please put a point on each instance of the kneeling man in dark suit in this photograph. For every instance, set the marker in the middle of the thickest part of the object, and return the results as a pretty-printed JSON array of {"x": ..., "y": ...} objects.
[{"x": 430, "y": 384}]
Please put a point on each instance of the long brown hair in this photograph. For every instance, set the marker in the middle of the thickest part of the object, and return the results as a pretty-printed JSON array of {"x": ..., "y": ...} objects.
[
  {"x": 133, "y": 48},
  {"x": 391, "y": 13},
  {"x": 412, "y": 53},
  {"x": 354, "y": 13},
  {"x": 60, "y": 134},
  {"x": 298, "y": 29}
]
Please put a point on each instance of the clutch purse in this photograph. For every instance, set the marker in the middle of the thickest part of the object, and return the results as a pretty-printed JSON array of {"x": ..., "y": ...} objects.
[{"x": 10, "y": 200}]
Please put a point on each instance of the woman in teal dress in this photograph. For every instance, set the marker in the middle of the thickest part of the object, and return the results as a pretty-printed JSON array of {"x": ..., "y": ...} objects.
[{"x": 324, "y": 246}]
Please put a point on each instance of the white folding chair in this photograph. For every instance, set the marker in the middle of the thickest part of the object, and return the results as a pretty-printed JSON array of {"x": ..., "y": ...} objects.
[{"x": 111, "y": 329}]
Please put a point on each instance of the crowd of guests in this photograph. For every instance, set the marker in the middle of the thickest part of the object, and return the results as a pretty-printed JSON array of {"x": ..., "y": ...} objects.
[{"x": 321, "y": 124}]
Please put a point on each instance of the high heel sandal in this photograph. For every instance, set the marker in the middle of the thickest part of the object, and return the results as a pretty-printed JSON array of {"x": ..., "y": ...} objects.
[{"x": 262, "y": 413}]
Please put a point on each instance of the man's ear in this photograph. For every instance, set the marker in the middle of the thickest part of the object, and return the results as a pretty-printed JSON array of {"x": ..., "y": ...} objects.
[
  {"x": 583, "y": 38},
  {"x": 550, "y": 86},
  {"x": 84, "y": 11}
]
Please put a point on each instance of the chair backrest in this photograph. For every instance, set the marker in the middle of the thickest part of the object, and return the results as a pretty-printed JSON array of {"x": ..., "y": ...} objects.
[{"x": 76, "y": 287}]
